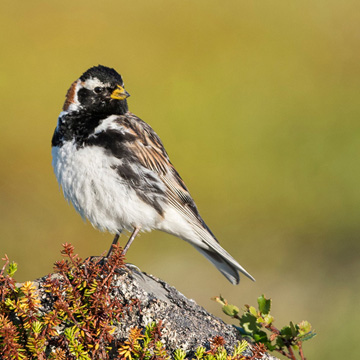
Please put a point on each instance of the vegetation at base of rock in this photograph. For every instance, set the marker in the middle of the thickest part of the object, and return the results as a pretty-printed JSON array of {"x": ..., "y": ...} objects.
[
  {"x": 80, "y": 322},
  {"x": 258, "y": 325},
  {"x": 74, "y": 316}
]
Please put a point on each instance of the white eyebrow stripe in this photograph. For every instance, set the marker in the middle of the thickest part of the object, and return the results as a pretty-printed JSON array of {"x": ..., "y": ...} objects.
[{"x": 92, "y": 83}]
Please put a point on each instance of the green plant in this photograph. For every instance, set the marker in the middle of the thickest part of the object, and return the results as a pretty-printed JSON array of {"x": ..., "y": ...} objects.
[
  {"x": 258, "y": 324},
  {"x": 144, "y": 344}
]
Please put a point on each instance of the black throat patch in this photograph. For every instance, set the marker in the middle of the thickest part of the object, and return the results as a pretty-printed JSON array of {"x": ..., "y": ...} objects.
[{"x": 77, "y": 125}]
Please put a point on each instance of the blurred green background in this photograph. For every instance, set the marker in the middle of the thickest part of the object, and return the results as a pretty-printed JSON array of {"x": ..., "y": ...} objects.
[{"x": 257, "y": 103}]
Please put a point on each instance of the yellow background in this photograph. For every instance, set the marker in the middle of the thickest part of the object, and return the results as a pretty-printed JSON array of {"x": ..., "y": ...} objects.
[{"x": 257, "y": 103}]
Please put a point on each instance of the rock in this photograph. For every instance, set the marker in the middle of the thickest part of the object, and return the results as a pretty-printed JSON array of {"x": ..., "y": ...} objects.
[{"x": 186, "y": 325}]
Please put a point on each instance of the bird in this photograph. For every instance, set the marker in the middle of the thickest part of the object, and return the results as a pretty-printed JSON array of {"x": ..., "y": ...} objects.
[{"x": 113, "y": 168}]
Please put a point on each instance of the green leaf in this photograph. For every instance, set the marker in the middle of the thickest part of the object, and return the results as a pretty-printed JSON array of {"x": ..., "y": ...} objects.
[
  {"x": 12, "y": 269},
  {"x": 240, "y": 347},
  {"x": 261, "y": 336},
  {"x": 268, "y": 319},
  {"x": 304, "y": 327},
  {"x": 248, "y": 322},
  {"x": 286, "y": 332},
  {"x": 230, "y": 310},
  {"x": 264, "y": 304},
  {"x": 289, "y": 332},
  {"x": 279, "y": 342},
  {"x": 253, "y": 311},
  {"x": 270, "y": 346},
  {"x": 11, "y": 304},
  {"x": 37, "y": 327},
  {"x": 70, "y": 333},
  {"x": 200, "y": 351},
  {"x": 179, "y": 354},
  {"x": 294, "y": 331}
]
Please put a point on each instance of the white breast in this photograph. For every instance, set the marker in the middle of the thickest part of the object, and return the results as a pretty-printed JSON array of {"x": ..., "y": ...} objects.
[{"x": 97, "y": 192}]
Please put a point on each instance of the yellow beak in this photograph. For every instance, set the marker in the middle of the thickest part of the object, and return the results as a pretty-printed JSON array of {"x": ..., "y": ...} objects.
[{"x": 119, "y": 93}]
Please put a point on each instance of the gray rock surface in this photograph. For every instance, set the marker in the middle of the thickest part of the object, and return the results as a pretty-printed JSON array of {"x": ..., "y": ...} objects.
[{"x": 186, "y": 325}]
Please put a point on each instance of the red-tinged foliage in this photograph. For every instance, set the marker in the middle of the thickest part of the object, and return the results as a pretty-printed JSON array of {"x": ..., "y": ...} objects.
[{"x": 73, "y": 316}]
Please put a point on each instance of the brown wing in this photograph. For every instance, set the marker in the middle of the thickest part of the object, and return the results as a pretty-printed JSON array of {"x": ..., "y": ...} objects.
[
  {"x": 150, "y": 151},
  {"x": 146, "y": 146}
]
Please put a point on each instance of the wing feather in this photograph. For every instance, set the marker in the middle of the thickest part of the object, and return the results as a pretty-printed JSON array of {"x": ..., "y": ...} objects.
[
  {"x": 151, "y": 153},
  {"x": 149, "y": 150}
]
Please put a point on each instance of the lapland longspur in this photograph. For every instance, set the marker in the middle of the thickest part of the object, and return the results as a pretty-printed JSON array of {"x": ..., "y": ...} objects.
[{"x": 114, "y": 169}]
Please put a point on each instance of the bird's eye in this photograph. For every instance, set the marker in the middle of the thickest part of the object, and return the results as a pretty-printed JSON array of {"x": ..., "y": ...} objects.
[{"x": 98, "y": 90}]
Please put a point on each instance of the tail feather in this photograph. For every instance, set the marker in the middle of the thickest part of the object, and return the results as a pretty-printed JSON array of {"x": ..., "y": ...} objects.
[
  {"x": 228, "y": 266},
  {"x": 193, "y": 229},
  {"x": 209, "y": 246},
  {"x": 227, "y": 270}
]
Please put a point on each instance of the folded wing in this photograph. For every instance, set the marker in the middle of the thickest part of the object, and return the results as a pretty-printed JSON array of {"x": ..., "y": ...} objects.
[{"x": 150, "y": 152}]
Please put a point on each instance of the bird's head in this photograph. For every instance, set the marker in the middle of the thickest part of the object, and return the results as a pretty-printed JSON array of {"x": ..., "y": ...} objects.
[{"x": 99, "y": 90}]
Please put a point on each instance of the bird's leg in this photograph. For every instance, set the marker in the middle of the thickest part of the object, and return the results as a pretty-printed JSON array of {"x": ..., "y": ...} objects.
[
  {"x": 131, "y": 239},
  {"x": 115, "y": 241}
]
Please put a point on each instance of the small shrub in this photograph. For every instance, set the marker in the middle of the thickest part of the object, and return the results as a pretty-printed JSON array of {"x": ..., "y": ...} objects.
[{"x": 258, "y": 325}]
